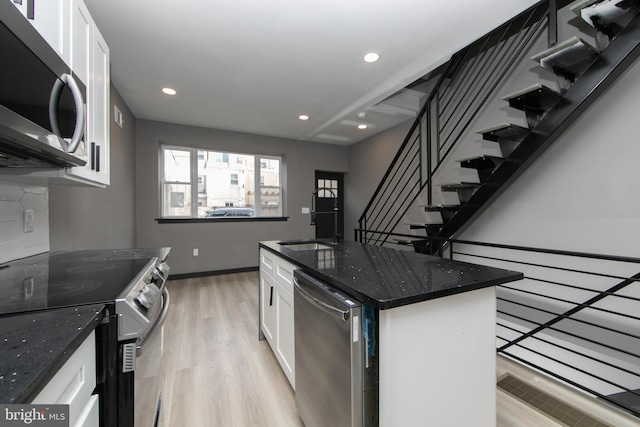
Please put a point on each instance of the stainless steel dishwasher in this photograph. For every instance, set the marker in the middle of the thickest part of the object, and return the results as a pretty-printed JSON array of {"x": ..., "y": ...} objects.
[{"x": 329, "y": 355}]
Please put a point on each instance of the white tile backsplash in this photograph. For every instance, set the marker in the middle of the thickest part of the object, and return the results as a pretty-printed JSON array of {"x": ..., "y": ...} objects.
[{"x": 15, "y": 198}]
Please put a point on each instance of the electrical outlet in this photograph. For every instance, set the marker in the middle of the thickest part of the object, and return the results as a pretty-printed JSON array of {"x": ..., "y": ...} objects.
[
  {"x": 195, "y": 252},
  {"x": 29, "y": 220}
]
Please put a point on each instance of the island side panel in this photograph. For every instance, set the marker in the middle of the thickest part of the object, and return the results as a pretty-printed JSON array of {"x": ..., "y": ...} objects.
[{"x": 438, "y": 362}]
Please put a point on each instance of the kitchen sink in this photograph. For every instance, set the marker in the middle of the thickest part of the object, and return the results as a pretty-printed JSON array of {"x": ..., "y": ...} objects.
[{"x": 306, "y": 245}]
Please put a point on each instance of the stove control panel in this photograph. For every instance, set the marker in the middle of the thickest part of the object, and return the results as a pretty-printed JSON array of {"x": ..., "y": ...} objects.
[
  {"x": 148, "y": 296},
  {"x": 140, "y": 308}
]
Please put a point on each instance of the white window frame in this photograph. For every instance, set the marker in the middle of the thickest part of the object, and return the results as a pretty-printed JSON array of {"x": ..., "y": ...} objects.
[{"x": 194, "y": 181}]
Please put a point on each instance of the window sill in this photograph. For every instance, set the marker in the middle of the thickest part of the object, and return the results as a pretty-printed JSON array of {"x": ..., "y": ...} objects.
[{"x": 221, "y": 219}]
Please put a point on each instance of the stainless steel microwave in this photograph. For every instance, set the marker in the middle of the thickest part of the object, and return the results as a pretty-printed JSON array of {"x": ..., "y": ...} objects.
[{"x": 42, "y": 105}]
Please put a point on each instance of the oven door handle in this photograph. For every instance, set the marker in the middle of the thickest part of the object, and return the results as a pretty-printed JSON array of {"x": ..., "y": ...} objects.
[{"x": 158, "y": 323}]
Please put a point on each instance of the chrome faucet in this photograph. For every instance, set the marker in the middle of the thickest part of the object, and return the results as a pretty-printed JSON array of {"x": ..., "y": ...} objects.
[{"x": 334, "y": 212}]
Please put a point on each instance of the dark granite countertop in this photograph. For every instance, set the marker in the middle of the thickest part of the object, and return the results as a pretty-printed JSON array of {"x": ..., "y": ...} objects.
[
  {"x": 387, "y": 278},
  {"x": 115, "y": 254},
  {"x": 35, "y": 345}
]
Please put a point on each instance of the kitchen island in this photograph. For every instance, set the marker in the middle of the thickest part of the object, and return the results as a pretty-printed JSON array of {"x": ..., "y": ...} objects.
[{"x": 434, "y": 325}]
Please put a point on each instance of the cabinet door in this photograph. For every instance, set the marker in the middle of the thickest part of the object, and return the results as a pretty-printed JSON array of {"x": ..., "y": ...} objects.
[
  {"x": 81, "y": 26},
  {"x": 51, "y": 19},
  {"x": 268, "y": 295},
  {"x": 98, "y": 110},
  {"x": 285, "y": 344},
  {"x": 90, "y": 63}
]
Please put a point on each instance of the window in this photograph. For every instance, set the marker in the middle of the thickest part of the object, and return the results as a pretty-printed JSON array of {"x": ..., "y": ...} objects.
[
  {"x": 249, "y": 185},
  {"x": 331, "y": 186},
  {"x": 222, "y": 157}
]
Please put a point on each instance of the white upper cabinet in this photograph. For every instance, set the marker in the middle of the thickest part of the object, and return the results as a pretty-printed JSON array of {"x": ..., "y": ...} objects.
[
  {"x": 69, "y": 28},
  {"x": 100, "y": 107},
  {"x": 90, "y": 63},
  {"x": 52, "y": 20},
  {"x": 81, "y": 29}
]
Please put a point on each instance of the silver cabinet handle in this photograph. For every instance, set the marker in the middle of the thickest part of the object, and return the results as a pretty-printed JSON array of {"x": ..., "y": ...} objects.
[
  {"x": 54, "y": 99},
  {"x": 327, "y": 308}
]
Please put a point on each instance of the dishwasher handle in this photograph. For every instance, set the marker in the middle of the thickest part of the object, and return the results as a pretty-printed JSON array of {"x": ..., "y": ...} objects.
[{"x": 327, "y": 308}]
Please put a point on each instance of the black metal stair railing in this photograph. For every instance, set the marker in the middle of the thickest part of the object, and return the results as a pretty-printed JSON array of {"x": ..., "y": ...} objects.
[
  {"x": 462, "y": 93},
  {"x": 621, "y": 53},
  {"x": 575, "y": 316},
  {"x": 470, "y": 79}
]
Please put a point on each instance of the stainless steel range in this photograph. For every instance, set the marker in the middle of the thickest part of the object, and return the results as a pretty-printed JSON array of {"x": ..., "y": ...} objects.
[{"x": 131, "y": 284}]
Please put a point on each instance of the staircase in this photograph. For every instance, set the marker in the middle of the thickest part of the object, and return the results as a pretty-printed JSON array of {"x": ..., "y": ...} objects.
[
  {"x": 426, "y": 197},
  {"x": 494, "y": 110}
]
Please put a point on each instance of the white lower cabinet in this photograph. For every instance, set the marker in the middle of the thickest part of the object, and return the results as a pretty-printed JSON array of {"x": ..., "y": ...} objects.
[
  {"x": 90, "y": 415},
  {"x": 73, "y": 385},
  {"x": 285, "y": 349},
  {"x": 277, "y": 309},
  {"x": 268, "y": 318}
]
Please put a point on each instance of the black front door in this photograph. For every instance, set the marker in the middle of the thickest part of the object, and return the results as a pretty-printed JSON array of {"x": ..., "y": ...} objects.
[{"x": 329, "y": 185}]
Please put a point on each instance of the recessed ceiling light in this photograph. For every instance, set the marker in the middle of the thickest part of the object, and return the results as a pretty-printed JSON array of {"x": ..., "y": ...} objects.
[
  {"x": 303, "y": 117},
  {"x": 168, "y": 91},
  {"x": 362, "y": 126},
  {"x": 371, "y": 57}
]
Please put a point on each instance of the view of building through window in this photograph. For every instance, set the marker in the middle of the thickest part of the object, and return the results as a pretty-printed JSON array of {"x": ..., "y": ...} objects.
[{"x": 222, "y": 184}]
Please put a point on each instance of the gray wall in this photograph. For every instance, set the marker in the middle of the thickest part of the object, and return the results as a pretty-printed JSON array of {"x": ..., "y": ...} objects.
[
  {"x": 368, "y": 162},
  {"x": 99, "y": 218},
  {"x": 227, "y": 245}
]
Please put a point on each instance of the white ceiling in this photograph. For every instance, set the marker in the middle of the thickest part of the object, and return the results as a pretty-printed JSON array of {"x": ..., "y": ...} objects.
[{"x": 255, "y": 65}]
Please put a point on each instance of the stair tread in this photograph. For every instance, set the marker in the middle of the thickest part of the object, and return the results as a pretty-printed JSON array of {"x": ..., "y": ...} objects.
[
  {"x": 415, "y": 225},
  {"x": 536, "y": 97},
  {"x": 606, "y": 13},
  {"x": 436, "y": 208},
  {"x": 576, "y": 8},
  {"x": 479, "y": 156},
  {"x": 481, "y": 162},
  {"x": 572, "y": 56},
  {"x": 506, "y": 131},
  {"x": 404, "y": 241},
  {"x": 459, "y": 185}
]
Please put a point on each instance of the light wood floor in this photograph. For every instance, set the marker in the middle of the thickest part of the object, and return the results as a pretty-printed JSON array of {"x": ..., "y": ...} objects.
[{"x": 214, "y": 372}]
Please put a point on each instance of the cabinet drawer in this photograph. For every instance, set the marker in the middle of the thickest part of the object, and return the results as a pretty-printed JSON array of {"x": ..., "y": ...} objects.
[
  {"x": 90, "y": 416},
  {"x": 284, "y": 274},
  {"x": 74, "y": 382},
  {"x": 267, "y": 261}
]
